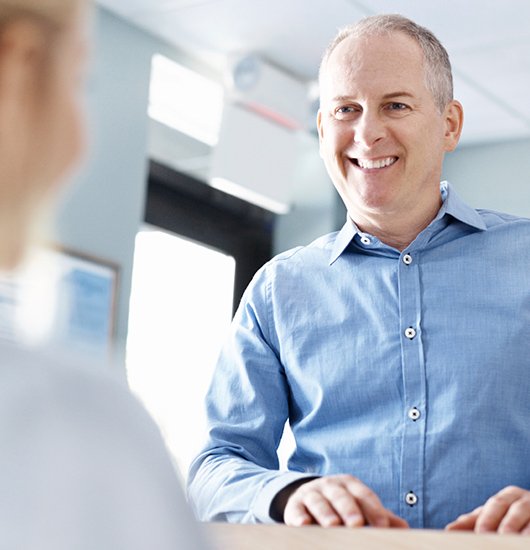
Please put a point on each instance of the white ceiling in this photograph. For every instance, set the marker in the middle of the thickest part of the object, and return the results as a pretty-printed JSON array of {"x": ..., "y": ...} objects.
[{"x": 488, "y": 41}]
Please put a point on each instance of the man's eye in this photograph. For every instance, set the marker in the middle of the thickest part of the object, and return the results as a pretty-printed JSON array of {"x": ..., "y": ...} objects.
[
  {"x": 396, "y": 106},
  {"x": 344, "y": 110}
]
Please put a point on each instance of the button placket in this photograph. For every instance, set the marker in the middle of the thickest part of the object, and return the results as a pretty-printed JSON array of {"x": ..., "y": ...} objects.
[{"x": 414, "y": 389}]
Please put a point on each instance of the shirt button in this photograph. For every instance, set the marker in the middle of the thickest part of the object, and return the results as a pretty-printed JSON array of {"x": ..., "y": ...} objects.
[
  {"x": 414, "y": 414},
  {"x": 410, "y": 333},
  {"x": 411, "y": 499},
  {"x": 407, "y": 259},
  {"x": 365, "y": 240}
]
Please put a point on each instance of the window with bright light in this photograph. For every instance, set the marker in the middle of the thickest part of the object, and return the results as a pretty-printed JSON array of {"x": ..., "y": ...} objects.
[
  {"x": 180, "y": 311},
  {"x": 185, "y": 100}
]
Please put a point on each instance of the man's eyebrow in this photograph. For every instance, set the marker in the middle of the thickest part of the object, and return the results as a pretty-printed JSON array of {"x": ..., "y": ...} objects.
[
  {"x": 390, "y": 95},
  {"x": 343, "y": 98},
  {"x": 397, "y": 94}
]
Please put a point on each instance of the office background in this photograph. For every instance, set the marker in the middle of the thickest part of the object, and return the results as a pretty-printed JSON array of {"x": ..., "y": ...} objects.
[{"x": 137, "y": 165}]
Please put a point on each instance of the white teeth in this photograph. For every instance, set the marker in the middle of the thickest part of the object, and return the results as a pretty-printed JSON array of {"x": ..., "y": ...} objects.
[{"x": 380, "y": 163}]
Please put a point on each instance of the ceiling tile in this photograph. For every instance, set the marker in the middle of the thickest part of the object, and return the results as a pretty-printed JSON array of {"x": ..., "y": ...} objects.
[
  {"x": 488, "y": 41},
  {"x": 484, "y": 119},
  {"x": 291, "y": 34},
  {"x": 502, "y": 74},
  {"x": 458, "y": 23}
]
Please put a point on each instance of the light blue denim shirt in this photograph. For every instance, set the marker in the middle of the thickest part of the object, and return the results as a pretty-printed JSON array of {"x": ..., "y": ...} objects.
[{"x": 409, "y": 370}]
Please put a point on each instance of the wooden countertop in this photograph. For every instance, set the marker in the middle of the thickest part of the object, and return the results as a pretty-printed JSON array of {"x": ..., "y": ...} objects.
[{"x": 279, "y": 537}]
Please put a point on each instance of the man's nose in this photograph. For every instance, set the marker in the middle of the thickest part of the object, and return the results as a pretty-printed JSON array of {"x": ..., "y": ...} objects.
[{"x": 369, "y": 128}]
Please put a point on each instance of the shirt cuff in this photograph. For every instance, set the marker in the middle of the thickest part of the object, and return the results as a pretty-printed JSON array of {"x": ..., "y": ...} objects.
[{"x": 262, "y": 504}]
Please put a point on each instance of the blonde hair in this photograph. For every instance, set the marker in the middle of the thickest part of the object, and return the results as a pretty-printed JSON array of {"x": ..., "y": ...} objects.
[
  {"x": 438, "y": 74},
  {"x": 55, "y": 12}
]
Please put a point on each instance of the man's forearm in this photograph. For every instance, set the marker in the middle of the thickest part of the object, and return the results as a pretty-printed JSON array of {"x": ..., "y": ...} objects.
[{"x": 232, "y": 489}]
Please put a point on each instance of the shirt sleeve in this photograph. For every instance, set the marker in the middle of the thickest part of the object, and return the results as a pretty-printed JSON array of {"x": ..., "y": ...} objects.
[{"x": 236, "y": 476}]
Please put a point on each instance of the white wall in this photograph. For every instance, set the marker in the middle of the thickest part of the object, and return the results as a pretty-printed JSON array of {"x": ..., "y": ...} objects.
[
  {"x": 100, "y": 214},
  {"x": 495, "y": 176},
  {"x": 313, "y": 211}
]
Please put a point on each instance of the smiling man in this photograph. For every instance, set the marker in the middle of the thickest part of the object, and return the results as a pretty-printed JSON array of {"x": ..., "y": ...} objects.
[
  {"x": 383, "y": 134},
  {"x": 397, "y": 348}
]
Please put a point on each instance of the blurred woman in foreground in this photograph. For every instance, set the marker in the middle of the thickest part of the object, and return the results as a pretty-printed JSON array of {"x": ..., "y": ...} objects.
[{"x": 81, "y": 464}]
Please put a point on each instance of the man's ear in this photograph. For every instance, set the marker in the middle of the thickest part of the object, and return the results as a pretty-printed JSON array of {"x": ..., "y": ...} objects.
[{"x": 454, "y": 121}]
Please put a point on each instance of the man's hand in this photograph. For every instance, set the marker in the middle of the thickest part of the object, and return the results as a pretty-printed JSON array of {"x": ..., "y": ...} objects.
[
  {"x": 506, "y": 512},
  {"x": 338, "y": 500}
]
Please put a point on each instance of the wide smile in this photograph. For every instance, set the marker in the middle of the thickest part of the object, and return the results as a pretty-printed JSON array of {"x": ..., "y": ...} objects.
[{"x": 374, "y": 164}]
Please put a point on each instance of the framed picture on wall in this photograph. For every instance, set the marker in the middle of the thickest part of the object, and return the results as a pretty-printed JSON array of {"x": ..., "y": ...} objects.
[{"x": 62, "y": 298}]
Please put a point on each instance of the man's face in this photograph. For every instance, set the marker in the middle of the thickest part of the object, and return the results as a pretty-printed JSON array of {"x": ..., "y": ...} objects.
[{"x": 382, "y": 137}]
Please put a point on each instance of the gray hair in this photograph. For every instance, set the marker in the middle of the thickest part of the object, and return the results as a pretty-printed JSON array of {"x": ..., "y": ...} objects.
[{"x": 438, "y": 75}]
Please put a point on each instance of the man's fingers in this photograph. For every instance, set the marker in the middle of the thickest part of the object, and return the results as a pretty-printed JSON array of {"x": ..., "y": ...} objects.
[
  {"x": 495, "y": 510},
  {"x": 518, "y": 516},
  {"x": 345, "y": 505},
  {"x": 338, "y": 500},
  {"x": 372, "y": 509},
  {"x": 297, "y": 515},
  {"x": 506, "y": 512},
  {"x": 321, "y": 509},
  {"x": 465, "y": 522},
  {"x": 396, "y": 521}
]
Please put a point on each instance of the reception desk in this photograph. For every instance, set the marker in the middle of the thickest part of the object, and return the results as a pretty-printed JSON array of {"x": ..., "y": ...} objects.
[{"x": 279, "y": 537}]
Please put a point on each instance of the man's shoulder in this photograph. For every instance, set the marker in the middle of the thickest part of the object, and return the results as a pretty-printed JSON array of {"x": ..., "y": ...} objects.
[
  {"x": 317, "y": 251},
  {"x": 289, "y": 269},
  {"x": 494, "y": 218},
  {"x": 501, "y": 223}
]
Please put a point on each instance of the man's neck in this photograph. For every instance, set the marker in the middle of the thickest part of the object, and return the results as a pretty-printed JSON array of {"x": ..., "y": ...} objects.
[{"x": 397, "y": 230}]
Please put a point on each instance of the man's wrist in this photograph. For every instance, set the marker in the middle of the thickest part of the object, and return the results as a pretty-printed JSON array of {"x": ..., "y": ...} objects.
[{"x": 279, "y": 502}]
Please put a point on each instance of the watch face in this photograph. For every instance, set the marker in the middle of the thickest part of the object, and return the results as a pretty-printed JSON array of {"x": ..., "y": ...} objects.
[{"x": 246, "y": 72}]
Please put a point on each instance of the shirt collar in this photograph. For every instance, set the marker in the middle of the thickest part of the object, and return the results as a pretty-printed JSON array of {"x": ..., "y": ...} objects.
[
  {"x": 343, "y": 239},
  {"x": 452, "y": 205},
  {"x": 457, "y": 208}
]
